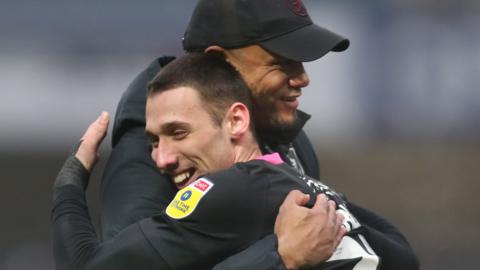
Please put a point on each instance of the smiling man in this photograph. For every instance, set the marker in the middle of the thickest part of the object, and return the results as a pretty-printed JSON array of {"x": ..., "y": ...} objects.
[{"x": 198, "y": 121}]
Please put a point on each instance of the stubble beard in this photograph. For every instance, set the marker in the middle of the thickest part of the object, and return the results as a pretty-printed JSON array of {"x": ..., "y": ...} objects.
[{"x": 275, "y": 131}]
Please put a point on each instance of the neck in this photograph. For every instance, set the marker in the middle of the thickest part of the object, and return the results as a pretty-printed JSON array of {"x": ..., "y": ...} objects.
[{"x": 247, "y": 150}]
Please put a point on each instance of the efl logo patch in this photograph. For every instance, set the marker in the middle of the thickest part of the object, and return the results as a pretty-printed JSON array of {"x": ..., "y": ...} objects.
[{"x": 188, "y": 198}]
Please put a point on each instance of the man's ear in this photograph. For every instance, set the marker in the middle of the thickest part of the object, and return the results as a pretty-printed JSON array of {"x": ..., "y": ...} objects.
[
  {"x": 214, "y": 48},
  {"x": 238, "y": 120},
  {"x": 230, "y": 55},
  {"x": 227, "y": 53}
]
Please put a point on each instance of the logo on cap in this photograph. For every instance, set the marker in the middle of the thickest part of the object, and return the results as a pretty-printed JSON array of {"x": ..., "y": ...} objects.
[{"x": 297, "y": 7}]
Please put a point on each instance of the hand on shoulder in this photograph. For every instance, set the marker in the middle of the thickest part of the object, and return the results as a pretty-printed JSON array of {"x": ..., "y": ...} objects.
[{"x": 87, "y": 152}]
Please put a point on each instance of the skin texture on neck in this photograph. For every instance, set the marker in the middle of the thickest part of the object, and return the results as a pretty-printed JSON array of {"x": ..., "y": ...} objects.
[{"x": 247, "y": 149}]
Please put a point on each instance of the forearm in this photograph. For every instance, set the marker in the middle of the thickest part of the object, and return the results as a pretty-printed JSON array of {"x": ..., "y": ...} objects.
[
  {"x": 262, "y": 255},
  {"x": 75, "y": 242},
  {"x": 72, "y": 173},
  {"x": 74, "y": 237}
]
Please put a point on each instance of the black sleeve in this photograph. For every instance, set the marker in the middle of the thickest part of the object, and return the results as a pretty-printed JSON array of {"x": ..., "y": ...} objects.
[
  {"x": 75, "y": 243},
  {"x": 132, "y": 187},
  {"x": 386, "y": 240},
  {"x": 262, "y": 255}
]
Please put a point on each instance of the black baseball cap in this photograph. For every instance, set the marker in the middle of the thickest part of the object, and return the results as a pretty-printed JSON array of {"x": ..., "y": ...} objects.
[{"x": 279, "y": 26}]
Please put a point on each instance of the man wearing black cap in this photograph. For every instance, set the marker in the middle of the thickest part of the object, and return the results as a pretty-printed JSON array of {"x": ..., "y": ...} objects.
[
  {"x": 267, "y": 41},
  {"x": 281, "y": 27}
]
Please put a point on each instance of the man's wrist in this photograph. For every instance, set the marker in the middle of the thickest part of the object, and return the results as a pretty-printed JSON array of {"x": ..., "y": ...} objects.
[
  {"x": 289, "y": 261},
  {"x": 74, "y": 173}
]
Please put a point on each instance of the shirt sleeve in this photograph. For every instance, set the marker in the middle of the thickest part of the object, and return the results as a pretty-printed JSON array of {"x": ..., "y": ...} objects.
[{"x": 75, "y": 243}]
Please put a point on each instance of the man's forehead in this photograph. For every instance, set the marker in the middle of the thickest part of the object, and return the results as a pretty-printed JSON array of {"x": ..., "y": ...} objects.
[
  {"x": 175, "y": 94},
  {"x": 178, "y": 106},
  {"x": 172, "y": 100},
  {"x": 157, "y": 122}
]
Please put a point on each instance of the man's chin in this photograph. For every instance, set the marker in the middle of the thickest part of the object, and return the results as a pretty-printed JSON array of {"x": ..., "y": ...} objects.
[{"x": 279, "y": 131}]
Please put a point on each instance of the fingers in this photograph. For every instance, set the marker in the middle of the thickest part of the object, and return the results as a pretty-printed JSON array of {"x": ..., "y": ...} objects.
[
  {"x": 334, "y": 219},
  {"x": 87, "y": 151},
  {"x": 307, "y": 237},
  {"x": 321, "y": 204},
  {"x": 296, "y": 197},
  {"x": 96, "y": 131},
  {"x": 341, "y": 231},
  {"x": 332, "y": 213}
]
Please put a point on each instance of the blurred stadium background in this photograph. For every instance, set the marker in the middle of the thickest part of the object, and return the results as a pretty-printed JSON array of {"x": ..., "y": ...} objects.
[{"x": 395, "y": 118}]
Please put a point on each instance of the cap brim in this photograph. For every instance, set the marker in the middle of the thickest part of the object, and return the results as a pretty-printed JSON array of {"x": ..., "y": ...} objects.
[{"x": 306, "y": 44}]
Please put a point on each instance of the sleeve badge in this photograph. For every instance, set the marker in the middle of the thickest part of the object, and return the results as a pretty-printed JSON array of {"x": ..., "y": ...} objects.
[{"x": 188, "y": 198}]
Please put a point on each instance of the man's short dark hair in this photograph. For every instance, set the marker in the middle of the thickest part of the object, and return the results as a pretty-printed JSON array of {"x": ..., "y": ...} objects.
[{"x": 218, "y": 83}]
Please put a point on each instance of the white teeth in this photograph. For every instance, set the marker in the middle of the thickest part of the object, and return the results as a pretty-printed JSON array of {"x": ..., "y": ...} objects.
[{"x": 181, "y": 177}]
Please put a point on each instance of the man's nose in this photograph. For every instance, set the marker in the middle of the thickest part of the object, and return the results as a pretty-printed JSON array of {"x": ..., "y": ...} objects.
[
  {"x": 298, "y": 76},
  {"x": 164, "y": 157}
]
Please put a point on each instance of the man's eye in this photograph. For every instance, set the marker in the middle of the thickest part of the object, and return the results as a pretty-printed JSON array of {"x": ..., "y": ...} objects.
[
  {"x": 179, "y": 134},
  {"x": 154, "y": 142}
]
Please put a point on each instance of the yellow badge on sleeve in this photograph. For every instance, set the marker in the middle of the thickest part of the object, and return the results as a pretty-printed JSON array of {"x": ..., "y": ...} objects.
[{"x": 188, "y": 198}]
